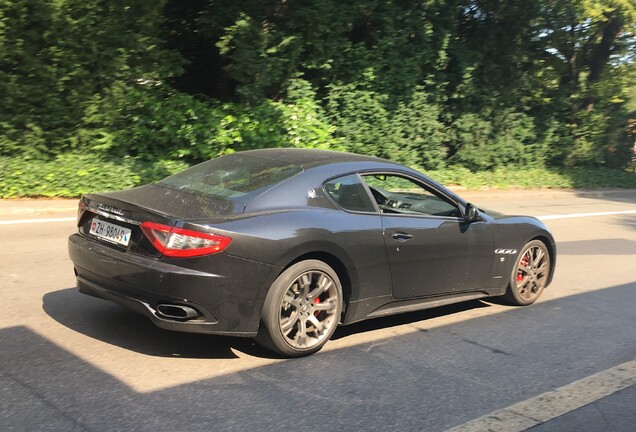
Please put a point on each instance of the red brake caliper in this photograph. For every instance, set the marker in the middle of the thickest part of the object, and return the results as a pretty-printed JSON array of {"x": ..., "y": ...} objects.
[
  {"x": 524, "y": 262},
  {"x": 316, "y": 301}
]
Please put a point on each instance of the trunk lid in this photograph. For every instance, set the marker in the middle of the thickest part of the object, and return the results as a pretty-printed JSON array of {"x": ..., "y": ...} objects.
[{"x": 152, "y": 203}]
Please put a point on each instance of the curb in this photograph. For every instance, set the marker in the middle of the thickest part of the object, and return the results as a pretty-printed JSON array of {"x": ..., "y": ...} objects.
[{"x": 22, "y": 208}]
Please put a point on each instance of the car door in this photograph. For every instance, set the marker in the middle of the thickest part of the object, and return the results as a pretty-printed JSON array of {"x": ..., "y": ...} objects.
[{"x": 432, "y": 249}]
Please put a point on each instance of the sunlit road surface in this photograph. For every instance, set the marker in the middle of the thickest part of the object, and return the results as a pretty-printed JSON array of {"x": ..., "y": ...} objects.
[{"x": 72, "y": 362}]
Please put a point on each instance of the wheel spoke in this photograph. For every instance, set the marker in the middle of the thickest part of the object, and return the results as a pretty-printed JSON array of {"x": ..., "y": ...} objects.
[
  {"x": 290, "y": 299},
  {"x": 301, "y": 334},
  {"x": 539, "y": 254},
  {"x": 324, "y": 283},
  {"x": 534, "y": 287},
  {"x": 304, "y": 282},
  {"x": 287, "y": 324},
  {"x": 541, "y": 271},
  {"x": 328, "y": 305},
  {"x": 319, "y": 328},
  {"x": 523, "y": 285},
  {"x": 524, "y": 268}
]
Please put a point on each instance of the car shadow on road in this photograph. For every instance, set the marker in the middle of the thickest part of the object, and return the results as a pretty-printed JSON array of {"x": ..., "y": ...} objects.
[
  {"x": 616, "y": 195},
  {"x": 413, "y": 381},
  {"x": 405, "y": 318},
  {"x": 115, "y": 325}
]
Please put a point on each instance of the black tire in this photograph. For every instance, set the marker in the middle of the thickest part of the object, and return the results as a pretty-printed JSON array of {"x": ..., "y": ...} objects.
[
  {"x": 529, "y": 275},
  {"x": 302, "y": 309}
]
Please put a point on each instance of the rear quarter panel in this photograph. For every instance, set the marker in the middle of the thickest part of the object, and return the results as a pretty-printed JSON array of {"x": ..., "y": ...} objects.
[{"x": 279, "y": 238}]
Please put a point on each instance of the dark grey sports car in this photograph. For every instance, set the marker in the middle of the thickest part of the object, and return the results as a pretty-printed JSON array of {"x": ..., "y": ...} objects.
[{"x": 285, "y": 244}]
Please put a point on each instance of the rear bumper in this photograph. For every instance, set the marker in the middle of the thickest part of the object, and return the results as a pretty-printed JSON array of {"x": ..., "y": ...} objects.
[{"x": 229, "y": 300}]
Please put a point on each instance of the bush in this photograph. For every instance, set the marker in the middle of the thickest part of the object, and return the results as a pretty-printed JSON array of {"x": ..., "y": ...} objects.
[
  {"x": 486, "y": 144},
  {"x": 411, "y": 134},
  {"x": 57, "y": 56},
  {"x": 71, "y": 175},
  {"x": 529, "y": 178},
  {"x": 152, "y": 120}
]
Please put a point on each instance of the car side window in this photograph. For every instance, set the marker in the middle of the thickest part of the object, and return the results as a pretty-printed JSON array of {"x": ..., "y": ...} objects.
[
  {"x": 397, "y": 194},
  {"x": 350, "y": 194}
]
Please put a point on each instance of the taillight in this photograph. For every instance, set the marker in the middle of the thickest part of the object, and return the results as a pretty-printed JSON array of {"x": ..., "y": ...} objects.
[{"x": 180, "y": 242}]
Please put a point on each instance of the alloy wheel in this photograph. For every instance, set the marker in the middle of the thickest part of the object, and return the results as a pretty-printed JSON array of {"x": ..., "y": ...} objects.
[
  {"x": 532, "y": 273},
  {"x": 308, "y": 310}
]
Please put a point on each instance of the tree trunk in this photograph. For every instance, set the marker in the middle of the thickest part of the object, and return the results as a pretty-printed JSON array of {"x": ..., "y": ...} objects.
[{"x": 601, "y": 53}]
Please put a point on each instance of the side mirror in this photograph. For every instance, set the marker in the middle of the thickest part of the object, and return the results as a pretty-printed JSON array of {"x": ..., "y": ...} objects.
[{"x": 472, "y": 213}]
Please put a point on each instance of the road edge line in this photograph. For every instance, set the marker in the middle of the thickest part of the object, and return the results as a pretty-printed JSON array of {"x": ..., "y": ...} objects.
[
  {"x": 549, "y": 405},
  {"x": 29, "y": 221},
  {"x": 579, "y": 215}
]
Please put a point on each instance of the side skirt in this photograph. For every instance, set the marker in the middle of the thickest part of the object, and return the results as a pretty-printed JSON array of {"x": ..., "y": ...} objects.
[
  {"x": 389, "y": 306},
  {"x": 420, "y": 304}
]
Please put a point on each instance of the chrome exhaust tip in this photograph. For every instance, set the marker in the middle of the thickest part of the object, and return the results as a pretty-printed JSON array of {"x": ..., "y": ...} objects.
[{"x": 177, "y": 312}]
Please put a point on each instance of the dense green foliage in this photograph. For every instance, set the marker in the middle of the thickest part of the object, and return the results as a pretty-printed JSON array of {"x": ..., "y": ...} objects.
[
  {"x": 70, "y": 176},
  {"x": 479, "y": 85}
]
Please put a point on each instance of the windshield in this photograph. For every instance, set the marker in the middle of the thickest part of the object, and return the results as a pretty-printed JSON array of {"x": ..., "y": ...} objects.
[{"x": 233, "y": 176}]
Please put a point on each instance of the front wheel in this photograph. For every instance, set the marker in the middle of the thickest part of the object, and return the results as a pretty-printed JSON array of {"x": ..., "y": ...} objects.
[
  {"x": 529, "y": 275},
  {"x": 302, "y": 310}
]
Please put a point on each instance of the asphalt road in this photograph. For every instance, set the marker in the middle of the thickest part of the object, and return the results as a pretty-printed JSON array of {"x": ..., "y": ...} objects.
[{"x": 69, "y": 362}]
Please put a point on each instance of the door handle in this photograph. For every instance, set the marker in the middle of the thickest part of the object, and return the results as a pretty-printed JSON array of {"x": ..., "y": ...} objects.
[{"x": 400, "y": 236}]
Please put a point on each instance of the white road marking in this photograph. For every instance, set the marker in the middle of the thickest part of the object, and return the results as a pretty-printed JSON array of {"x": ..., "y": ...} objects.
[
  {"x": 547, "y": 406},
  {"x": 28, "y": 221},
  {"x": 578, "y": 215}
]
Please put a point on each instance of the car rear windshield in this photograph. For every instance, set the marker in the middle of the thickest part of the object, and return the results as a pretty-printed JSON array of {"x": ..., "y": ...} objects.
[{"x": 232, "y": 177}]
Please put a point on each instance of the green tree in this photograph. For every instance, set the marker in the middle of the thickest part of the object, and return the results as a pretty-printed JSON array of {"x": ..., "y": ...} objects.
[
  {"x": 55, "y": 57},
  {"x": 479, "y": 83},
  {"x": 588, "y": 53}
]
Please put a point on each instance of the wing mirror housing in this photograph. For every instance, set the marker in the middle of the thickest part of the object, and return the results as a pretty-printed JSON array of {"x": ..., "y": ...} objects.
[{"x": 472, "y": 213}]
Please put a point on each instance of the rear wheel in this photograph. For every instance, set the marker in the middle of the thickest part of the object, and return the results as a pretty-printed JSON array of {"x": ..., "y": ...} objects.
[
  {"x": 302, "y": 309},
  {"x": 529, "y": 275}
]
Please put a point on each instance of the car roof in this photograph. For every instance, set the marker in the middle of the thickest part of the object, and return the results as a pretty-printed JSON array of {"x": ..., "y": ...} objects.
[{"x": 306, "y": 158}]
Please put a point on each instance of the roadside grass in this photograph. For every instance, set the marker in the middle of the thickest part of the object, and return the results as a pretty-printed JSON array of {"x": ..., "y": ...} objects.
[
  {"x": 536, "y": 178},
  {"x": 69, "y": 176}
]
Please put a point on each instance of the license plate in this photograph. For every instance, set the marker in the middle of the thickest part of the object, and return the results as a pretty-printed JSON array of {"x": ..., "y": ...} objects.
[{"x": 110, "y": 232}]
